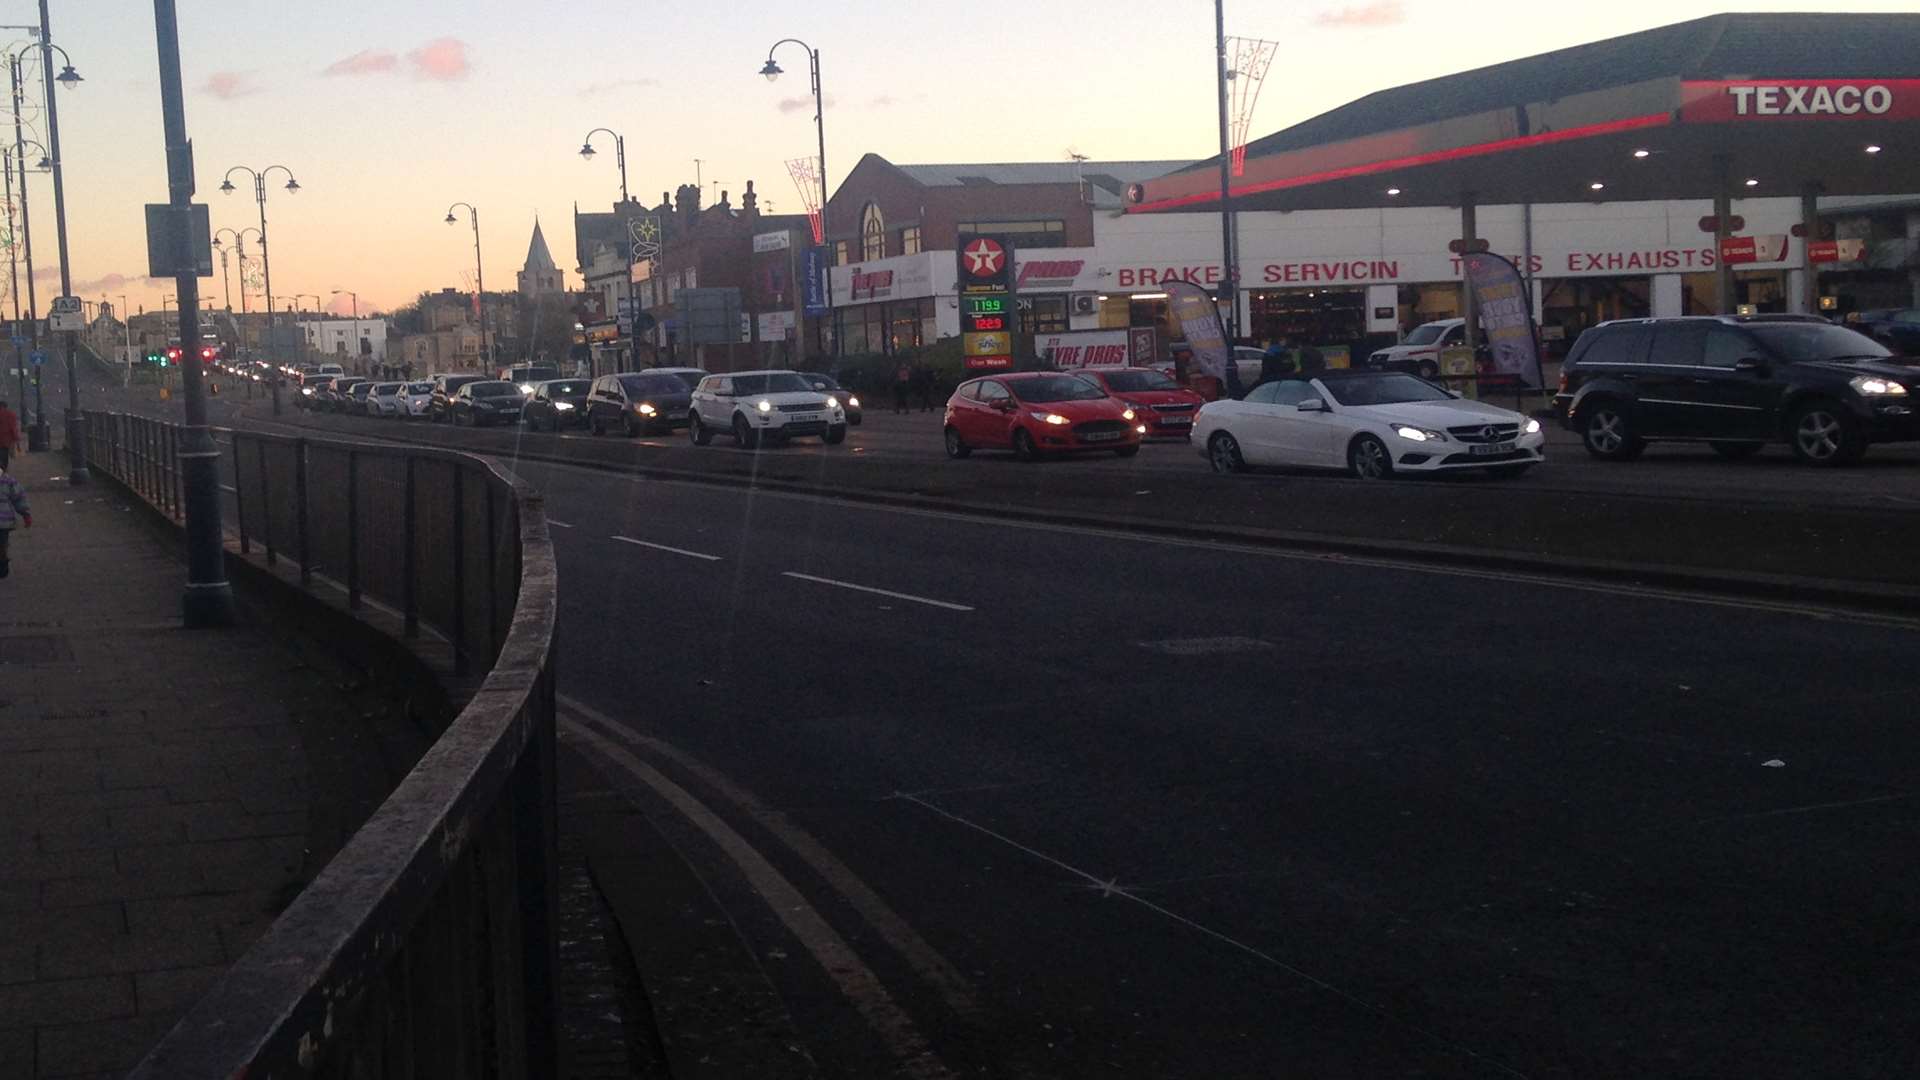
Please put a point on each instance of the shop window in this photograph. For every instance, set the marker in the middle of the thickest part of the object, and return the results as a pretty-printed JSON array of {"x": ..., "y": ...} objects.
[
  {"x": 910, "y": 240},
  {"x": 873, "y": 233},
  {"x": 840, "y": 253},
  {"x": 1023, "y": 234},
  {"x": 1043, "y": 315}
]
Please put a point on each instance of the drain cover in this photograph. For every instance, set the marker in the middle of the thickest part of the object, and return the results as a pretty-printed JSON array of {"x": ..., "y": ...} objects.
[
  {"x": 1207, "y": 646},
  {"x": 35, "y": 649}
]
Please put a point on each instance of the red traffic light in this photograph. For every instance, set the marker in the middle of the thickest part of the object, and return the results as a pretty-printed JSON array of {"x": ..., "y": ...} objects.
[
  {"x": 206, "y": 354},
  {"x": 173, "y": 353}
]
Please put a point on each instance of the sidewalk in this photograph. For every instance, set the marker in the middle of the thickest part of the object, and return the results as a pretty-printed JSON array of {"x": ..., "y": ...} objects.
[{"x": 157, "y": 785}]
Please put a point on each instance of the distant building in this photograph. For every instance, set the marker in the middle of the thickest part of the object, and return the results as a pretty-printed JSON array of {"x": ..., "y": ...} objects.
[
  {"x": 540, "y": 277},
  {"x": 361, "y": 341}
]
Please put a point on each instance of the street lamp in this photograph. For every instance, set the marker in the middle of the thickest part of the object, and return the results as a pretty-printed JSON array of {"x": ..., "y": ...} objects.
[
  {"x": 772, "y": 71},
  {"x": 76, "y": 442},
  {"x": 317, "y": 301},
  {"x": 633, "y": 303},
  {"x": 37, "y": 436},
  {"x": 240, "y": 251},
  {"x": 479, "y": 279},
  {"x": 266, "y": 263}
]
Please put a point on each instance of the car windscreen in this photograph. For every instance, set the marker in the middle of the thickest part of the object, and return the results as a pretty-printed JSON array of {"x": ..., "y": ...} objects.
[
  {"x": 1124, "y": 382},
  {"x": 779, "y": 383},
  {"x": 1055, "y": 388},
  {"x": 420, "y": 388},
  {"x": 821, "y": 382},
  {"x": 494, "y": 389},
  {"x": 1387, "y": 388},
  {"x": 1426, "y": 335},
  {"x": 534, "y": 374},
  {"x": 455, "y": 382},
  {"x": 569, "y": 388},
  {"x": 690, "y": 378},
  {"x": 641, "y": 386},
  {"x": 387, "y": 389},
  {"x": 1796, "y": 342}
]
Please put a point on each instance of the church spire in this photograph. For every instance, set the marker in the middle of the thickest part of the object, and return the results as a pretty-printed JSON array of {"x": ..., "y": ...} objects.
[{"x": 538, "y": 257}]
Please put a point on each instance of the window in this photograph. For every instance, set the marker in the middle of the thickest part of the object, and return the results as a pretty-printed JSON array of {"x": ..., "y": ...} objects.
[
  {"x": 971, "y": 391},
  {"x": 1613, "y": 345},
  {"x": 1292, "y": 392},
  {"x": 1264, "y": 393},
  {"x": 1679, "y": 343},
  {"x": 840, "y": 253},
  {"x": 873, "y": 233},
  {"x": 1024, "y": 234},
  {"x": 1726, "y": 347},
  {"x": 910, "y": 240},
  {"x": 991, "y": 392}
]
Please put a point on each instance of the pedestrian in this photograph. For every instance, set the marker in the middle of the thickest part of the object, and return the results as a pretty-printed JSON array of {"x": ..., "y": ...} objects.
[
  {"x": 923, "y": 386},
  {"x": 13, "y": 514},
  {"x": 902, "y": 382},
  {"x": 9, "y": 435},
  {"x": 1275, "y": 364},
  {"x": 1312, "y": 360}
]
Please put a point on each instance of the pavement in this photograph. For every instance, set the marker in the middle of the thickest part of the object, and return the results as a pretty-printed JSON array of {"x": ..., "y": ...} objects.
[{"x": 164, "y": 793}]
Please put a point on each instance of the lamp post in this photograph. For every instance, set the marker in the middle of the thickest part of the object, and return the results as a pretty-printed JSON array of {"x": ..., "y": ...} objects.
[
  {"x": 126, "y": 324},
  {"x": 479, "y": 278},
  {"x": 315, "y": 297},
  {"x": 633, "y": 303},
  {"x": 240, "y": 252},
  {"x": 76, "y": 445},
  {"x": 355, "y": 334},
  {"x": 266, "y": 263},
  {"x": 38, "y": 439},
  {"x": 772, "y": 71}
]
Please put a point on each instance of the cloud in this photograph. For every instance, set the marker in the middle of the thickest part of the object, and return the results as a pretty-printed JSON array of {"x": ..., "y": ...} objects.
[
  {"x": 227, "y": 85},
  {"x": 111, "y": 282},
  {"x": 343, "y": 305},
  {"x": 443, "y": 60},
  {"x": 598, "y": 88},
  {"x": 364, "y": 62},
  {"x": 795, "y": 104},
  {"x": 884, "y": 101},
  {"x": 1375, "y": 14}
]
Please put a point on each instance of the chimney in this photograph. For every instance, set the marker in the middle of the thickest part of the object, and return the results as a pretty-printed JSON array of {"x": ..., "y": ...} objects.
[{"x": 749, "y": 202}]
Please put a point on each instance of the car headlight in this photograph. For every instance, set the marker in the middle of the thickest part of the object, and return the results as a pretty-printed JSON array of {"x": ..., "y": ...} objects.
[
  {"x": 832, "y": 402},
  {"x": 1126, "y": 414},
  {"x": 765, "y": 406},
  {"x": 563, "y": 406},
  {"x": 1052, "y": 418},
  {"x": 526, "y": 388},
  {"x": 1533, "y": 427},
  {"x": 1875, "y": 386},
  {"x": 646, "y": 408},
  {"x": 1418, "y": 434},
  {"x": 307, "y": 391},
  {"x": 1142, "y": 429},
  {"x": 853, "y": 402}
]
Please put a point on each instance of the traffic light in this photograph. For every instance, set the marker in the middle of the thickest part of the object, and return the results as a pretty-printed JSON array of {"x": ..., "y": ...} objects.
[
  {"x": 207, "y": 353},
  {"x": 172, "y": 357}
]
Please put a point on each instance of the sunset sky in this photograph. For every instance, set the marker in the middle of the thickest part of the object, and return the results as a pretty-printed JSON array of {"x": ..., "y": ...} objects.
[{"x": 387, "y": 112}]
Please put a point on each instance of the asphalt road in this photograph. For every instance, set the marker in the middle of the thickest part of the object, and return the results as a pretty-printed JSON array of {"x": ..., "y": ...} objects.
[{"x": 991, "y": 799}]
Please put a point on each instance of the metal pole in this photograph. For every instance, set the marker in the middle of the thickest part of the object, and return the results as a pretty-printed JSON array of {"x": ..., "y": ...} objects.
[
  {"x": 1229, "y": 286},
  {"x": 226, "y": 282},
  {"x": 266, "y": 273},
  {"x": 76, "y": 448},
  {"x": 633, "y": 298},
  {"x": 38, "y": 438},
  {"x": 1723, "y": 220},
  {"x": 13, "y": 274},
  {"x": 1469, "y": 306},
  {"x": 208, "y": 599},
  {"x": 479, "y": 287},
  {"x": 1810, "y": 225},
  {"x": 820, "y": 130}
]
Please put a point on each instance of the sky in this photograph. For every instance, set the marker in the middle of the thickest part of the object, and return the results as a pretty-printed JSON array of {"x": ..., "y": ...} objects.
[{"x": 387, "y": 112}]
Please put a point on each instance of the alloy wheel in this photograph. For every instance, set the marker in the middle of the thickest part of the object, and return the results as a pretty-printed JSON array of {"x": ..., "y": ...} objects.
[
  {"x": 1370, "y": 460},
  {"x": 1819, "y": 435}
]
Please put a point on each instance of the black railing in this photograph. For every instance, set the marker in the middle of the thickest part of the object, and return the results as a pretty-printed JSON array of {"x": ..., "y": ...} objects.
[{"x": 426, "y": 947}]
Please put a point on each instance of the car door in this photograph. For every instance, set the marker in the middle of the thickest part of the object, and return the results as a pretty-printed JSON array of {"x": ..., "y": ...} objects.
[
  {"x": 1675, "y": 386},
  {"x": 997, "y": 409},
  {"x": 1287, "y": 435},
  {"x": 1742, "y": 390},
  {"x": 1251, "y": 421}
]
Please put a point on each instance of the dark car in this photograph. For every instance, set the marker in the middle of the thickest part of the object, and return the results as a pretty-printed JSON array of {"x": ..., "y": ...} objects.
[
  {"x": 849, "y": 400},
  {"x": 529, "y": 376},
  {"x": 1736, "y": 383},
  {"x": 355, "y": 401},
  {"x": 638, "y": 402},
  {"x": 484, "y": 402},
  {"x": 313, "y": 391},
  {"x": 444, "y": 387},
  {"x": 338, "y": 394},
  {"x": 1898, "y": 329},
  {"x": 558, "y": 403}
]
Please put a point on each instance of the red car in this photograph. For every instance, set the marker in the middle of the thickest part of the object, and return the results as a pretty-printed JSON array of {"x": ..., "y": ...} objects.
[
  {"x": 1164, "y": 406},
  {"x": 1039, "y": 412}
]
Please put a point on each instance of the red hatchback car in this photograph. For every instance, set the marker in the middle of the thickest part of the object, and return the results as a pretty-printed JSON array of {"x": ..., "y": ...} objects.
[
  {"x": 1164, "y": 406},
  {"x": 1036, "y": 413}
]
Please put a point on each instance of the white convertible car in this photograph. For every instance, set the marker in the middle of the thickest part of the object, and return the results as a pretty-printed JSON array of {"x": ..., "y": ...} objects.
[{"x": 1371, "y": 423}]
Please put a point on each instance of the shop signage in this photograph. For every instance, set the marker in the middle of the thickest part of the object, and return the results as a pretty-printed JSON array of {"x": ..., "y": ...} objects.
[
  {"x": 1826, "y": 251},
  {"x": 601, "y": 332},
  {"x": 1710, "y": 223},
  {"x": 1735, "y": 250},
  {"x": 876, "y": 284},
  {"x": 985, "y": 265},
  {"x": 776, "y": 326},
  {"x": 1320, "y": 272},
  {"x": 813, "y": 277},
  {"x": 984, "y": 279},
  {"x": 1199, "y": 319},
  {"x": 1134, "y": 277},
  {"x": 898, "y": 277},
  {"x": 1142, "y": 345},
  {"x": 1045, "y": 275},
  {"x": 1088, "y": 348},
  {"x": 1748, "y": 100},
  {"x": 771, "y": 241}
]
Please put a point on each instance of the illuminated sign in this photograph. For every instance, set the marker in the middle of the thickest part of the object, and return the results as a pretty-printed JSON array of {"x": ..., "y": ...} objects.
[
  {"x": 989, "y": 322},
  {"x": 1808, "y": 99},
  {"x": 985, "y": 305},
  {"x": 987, "y": 344}
]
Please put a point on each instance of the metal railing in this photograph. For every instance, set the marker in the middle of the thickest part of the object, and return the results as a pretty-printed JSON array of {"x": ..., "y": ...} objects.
[{"x": 426, "y": 947}]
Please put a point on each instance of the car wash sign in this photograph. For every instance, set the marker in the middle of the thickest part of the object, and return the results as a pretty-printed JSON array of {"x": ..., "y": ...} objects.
[{"x": 1779, "y": 100}]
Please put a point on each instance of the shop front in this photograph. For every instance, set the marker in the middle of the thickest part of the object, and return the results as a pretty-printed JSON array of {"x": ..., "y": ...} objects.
[{"x": 886, "y": 305}]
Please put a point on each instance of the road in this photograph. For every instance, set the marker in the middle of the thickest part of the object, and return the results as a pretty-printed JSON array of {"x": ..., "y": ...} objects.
[{"x": 995, "y": 799}]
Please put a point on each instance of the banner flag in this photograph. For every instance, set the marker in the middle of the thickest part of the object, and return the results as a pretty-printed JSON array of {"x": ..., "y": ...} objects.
[
  {"x": 1199, "y": 318},
  {"x": 1506, "y": 317}
]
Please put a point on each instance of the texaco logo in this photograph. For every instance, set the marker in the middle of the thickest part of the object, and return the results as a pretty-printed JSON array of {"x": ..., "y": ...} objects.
[{"x": 985, "y": 258}]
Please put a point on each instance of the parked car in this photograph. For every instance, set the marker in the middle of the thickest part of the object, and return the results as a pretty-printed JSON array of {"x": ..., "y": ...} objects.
[
  {"x": 848, "y": 400},
  {"x": 1370, "y": 423},
  {"x": 1737, "y": 383},
  {"x": 313, "y": 391},
  {"x": 1420, "y": 353},
  {"x": 338, "y": 393},
  {"x": 1897, "y": 329},
  {"x": 1164, "y": 406},
  {"x": 1036, "y": 413},
  {"x": 444, "y": 387},
  {"x": 384, "y": 400},
  {"x": 356, "y": 400},
  {"x": 415, "y": 398},
  {"x": 759, "y": 405},
  {"x": 638, "y": 402},
  {"x": 485, "y": 402},
  {"x": 528, "y": 376},
  {"x": 557, "y": 404}
]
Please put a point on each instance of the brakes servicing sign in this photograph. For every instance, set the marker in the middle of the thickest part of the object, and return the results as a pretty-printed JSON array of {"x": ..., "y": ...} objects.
[{"x": 1762, "y": 100}]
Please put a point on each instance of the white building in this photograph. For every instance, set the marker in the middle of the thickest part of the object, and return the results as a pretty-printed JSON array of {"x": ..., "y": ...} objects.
[{"x": 355, "y": 339}]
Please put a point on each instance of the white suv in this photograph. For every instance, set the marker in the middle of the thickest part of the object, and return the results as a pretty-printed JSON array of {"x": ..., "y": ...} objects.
[{"x": 755, "y": 405}]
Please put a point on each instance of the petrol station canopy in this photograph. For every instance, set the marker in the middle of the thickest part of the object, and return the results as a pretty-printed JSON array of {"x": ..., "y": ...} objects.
[{"x": 1764, "y": 104}]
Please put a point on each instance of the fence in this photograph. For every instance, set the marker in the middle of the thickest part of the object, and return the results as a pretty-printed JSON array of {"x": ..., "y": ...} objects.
[{"x": 426, "y": 947}]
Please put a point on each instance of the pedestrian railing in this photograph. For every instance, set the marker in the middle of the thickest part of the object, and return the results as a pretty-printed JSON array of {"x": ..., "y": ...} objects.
[{"x": 426, "y": 947}]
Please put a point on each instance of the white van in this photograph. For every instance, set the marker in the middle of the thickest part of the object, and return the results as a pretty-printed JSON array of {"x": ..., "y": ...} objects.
[{"x": 1420, "y": 353}]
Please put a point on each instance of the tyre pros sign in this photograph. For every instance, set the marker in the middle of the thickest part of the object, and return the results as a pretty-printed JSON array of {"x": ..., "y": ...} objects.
[{"x": 985, "y": 283}]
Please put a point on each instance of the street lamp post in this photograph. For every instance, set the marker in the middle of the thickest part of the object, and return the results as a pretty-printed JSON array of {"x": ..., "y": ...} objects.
[
  {"x": 633, "y": 302},
  {"x": 38, "y": 439},
  {"x": 266, "y": 262},
  {"x": 355, "y": 334},
  {"x": 772, "y": 71},
  {"x": 296, "y": 298},
  {"x": 479, "y": 278},
  {"x": 207, "y": 600},
  {"x": 76, "y": 447},
  {"x": 37, "y": 430},
  {"x": 240, "y": 253}
]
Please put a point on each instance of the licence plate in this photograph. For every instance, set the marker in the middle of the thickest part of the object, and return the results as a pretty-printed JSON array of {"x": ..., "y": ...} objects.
[
  {"x": 1100, "y": 436},
  {"x": 1175, "y": 421},
  {"x": 1492, "y": 449},
  {"x": 679, "y": 415},
  {"x": 802, "y": 418}
]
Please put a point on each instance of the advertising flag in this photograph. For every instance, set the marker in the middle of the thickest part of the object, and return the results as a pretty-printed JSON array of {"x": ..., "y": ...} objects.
[
  {"x": 1506, "y": 317},
  {"x": 813, "y": 280},
  {"x": 1199, "y": 318}
]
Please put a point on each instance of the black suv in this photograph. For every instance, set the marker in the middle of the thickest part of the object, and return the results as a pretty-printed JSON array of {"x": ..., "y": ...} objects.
[
  {"x": 1736, "y": 383},
  {"x": 440, "y": 403}
]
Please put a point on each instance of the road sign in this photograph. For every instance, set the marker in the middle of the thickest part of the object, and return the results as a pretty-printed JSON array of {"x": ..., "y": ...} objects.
[
  {"x": 179, "y": 242},
  {"x": 37, "y": 358},
  {"x": 1712, "y": 224},
  {"x": 67, "y": 314}
]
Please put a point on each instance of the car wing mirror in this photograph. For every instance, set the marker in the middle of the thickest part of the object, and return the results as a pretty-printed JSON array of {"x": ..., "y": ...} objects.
[
  {"x": 1751, "y": 363},
  {"x": 1312, "y": 404}
]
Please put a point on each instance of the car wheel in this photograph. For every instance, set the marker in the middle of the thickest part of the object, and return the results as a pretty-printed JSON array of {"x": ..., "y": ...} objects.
[
  {"x": 1126, "y": 451},
  {"x": 1735, "y": 451},
  {"x": 698, "y": 431},
  {"x": 836, "y": 435},
  {"x": 957, "y": 447},
  {"x": 1427, "y": 369},
  {"x": 1369, "y": 459},
  {"x": 1822, "y": 432},
  {"x": 1223, "y": 453},
  {"x": 631, "y": 429},
  {"x": 1508, "y": 472},
  {"x": 1608, "y": 433},
  {"x": 1023, "y": 447},
  {"x": 743, "y": 434}
]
